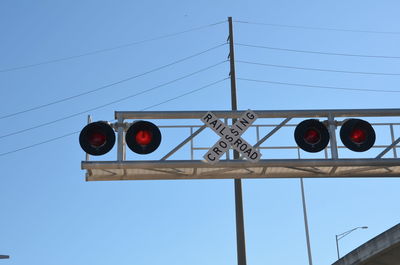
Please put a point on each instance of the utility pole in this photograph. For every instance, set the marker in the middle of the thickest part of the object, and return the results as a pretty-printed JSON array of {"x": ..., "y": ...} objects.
[
  {"x": 303, "y": 199},
  {"x": 240, "y": 238}
]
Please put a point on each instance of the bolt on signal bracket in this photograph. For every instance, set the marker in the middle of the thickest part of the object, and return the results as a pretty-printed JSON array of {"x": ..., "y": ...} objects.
[
  {"x": 332, "y": 122},
  {"x": 124, "y": 125}
]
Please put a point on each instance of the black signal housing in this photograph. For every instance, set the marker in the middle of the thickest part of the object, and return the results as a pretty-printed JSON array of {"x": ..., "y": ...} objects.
[
  {"x": 97, "y": 138},
  {"x": 311, "y": 135},
  {"x": 357, "y": 135},
  {"x": 143, "y": 137}
]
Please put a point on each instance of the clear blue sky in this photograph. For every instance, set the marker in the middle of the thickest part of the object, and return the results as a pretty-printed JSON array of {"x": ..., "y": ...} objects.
[{"x": 50, "y": 215}]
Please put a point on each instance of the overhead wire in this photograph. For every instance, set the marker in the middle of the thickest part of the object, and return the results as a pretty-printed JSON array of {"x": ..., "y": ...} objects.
[
  {"x": 39, "y": 143},
  {"x": 316, "y": 52},
  {"x": 187, "y": 93},
  {"x": 111, "y": 102},
  {"x": 317, "y": 69},
  {"x": 203, "y": 87},
  {"x": 318, "y": 86},
  {"x": 76, "y": 132},
  {"x": 108, "y": 49},
  {"x": 110, "y": 84},
  {"x": 317, "y": 28}
]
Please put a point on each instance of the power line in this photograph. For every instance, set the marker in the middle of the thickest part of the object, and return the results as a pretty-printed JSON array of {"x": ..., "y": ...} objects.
[
  {"x": 188, "y": 93},
  {"x": 76, "y": 132},
  {"x": 107, "y": 49},
  {"x": 109, "y": 103},
  {"x": 317, "y": 52},
  {"x": 111, "y": 84},
  {"x": 318, "y": 86},
  {"x": 317, "y": 69},
  {"x": 317, "y": 28},
  {"x": 40, "y": 143}
]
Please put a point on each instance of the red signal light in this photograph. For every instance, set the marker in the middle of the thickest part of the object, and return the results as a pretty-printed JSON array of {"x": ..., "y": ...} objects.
[
  {"x": 357, "y": 135},
  {"x": 97, "y": 138},
  {"x": 143, "y": 137},
  {"x": 311, "y": 135}
]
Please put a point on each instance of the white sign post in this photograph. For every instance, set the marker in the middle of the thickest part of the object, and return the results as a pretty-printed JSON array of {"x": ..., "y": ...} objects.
[{"x": 230, "y": 136}]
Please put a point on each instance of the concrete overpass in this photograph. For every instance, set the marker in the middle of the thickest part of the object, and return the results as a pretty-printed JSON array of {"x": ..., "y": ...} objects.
[{"x": 384, "y": 249}]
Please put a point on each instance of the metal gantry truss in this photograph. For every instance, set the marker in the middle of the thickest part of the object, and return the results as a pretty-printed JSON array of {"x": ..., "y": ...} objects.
[{"x": 332, "y": 164}]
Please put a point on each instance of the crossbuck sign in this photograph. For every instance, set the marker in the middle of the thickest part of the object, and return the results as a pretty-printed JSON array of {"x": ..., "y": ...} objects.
[{"x": 230, "y": 136}]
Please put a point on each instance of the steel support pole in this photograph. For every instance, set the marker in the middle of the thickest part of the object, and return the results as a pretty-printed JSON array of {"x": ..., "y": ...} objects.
[
  {"x": 121, "y": 155},
  {"x": 337, "y": 247},
  {"x": 303, "y": 197},
  {"x": 89, "y": 120},
  {"x": 240, "y": 236},
  {"x": 332, "y": 134}
]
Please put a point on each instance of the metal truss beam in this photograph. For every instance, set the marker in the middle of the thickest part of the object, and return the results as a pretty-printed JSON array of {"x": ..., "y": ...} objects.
[
  {"x": 260, "y": 113},
  {"x": 334, "y": 164},
  {"x": 228, "y": 169},
  {"x": 389, "y": 162}
]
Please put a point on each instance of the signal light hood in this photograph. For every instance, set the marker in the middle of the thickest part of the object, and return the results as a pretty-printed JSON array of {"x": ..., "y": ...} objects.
[
  {"x": 311, "y": 135},
  {"x": 357, "y": 135},
  {"x": 143, "y": 137},
  {"x": 97, "y": 138}
]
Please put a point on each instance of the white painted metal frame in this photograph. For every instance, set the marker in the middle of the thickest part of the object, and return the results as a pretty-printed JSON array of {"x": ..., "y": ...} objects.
[{"x": 329, "y": 166}]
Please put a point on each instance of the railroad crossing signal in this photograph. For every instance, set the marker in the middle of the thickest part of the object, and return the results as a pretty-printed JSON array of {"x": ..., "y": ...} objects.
[
  {"x": 230, "y": 136},
  {"x": 313, "y": 136},
  {"x": 327, "y": 131},
  {"x": 98, "y": 138},
  {"x": 357, "y": 135},
  {"x": 143, "y": 137}
]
